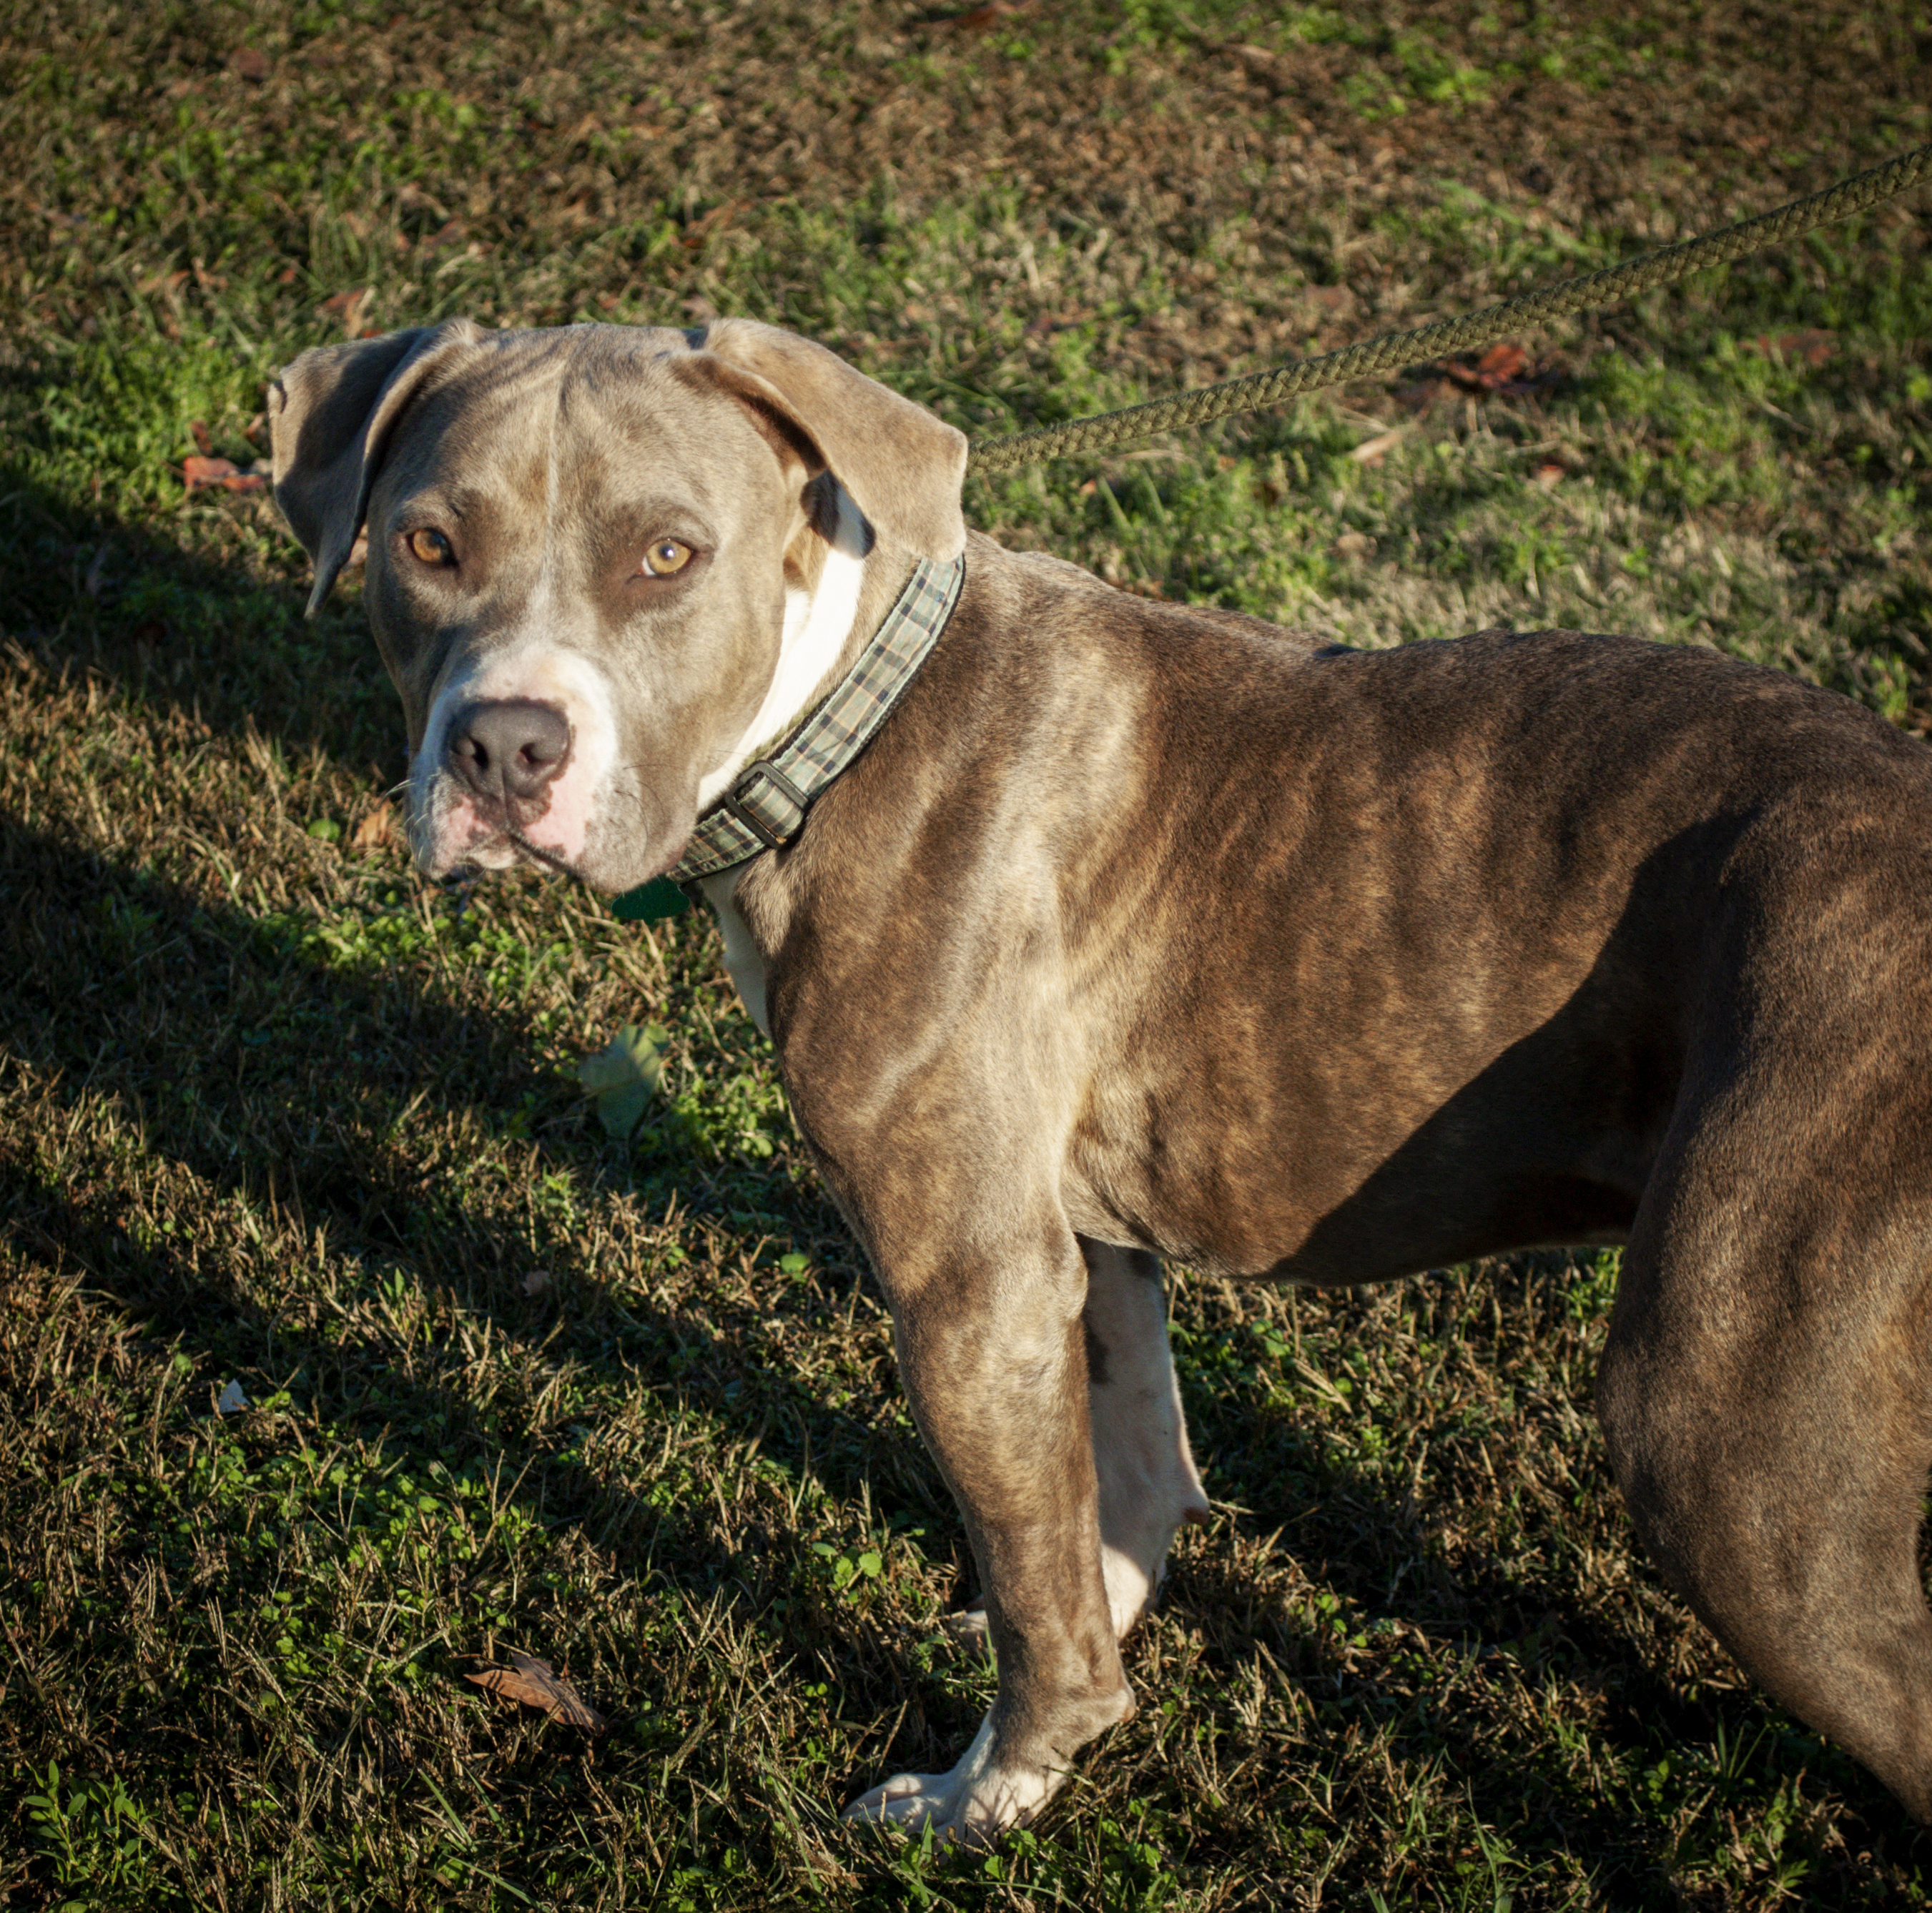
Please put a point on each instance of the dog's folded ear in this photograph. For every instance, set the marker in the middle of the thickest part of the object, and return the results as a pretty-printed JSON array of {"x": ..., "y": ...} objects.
[
  {"x": 330, "y": 415},
  {"x": 902, "y": 466}
]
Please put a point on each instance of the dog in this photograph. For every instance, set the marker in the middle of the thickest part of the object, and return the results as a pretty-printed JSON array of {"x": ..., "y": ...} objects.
[{"x": 1127, "y": 931}]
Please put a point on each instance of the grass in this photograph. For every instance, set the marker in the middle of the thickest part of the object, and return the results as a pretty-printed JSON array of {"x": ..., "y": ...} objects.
[{"x": 277, "y": 1114}]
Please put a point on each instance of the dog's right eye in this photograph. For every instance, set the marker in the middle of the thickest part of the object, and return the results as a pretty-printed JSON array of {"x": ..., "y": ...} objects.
[
  {"x": 666, "y": 556},
  {"x": 432, "y": 547}
]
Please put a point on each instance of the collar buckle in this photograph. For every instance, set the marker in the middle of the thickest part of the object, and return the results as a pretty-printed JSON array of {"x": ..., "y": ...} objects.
[{"x": 767, "y": 803}]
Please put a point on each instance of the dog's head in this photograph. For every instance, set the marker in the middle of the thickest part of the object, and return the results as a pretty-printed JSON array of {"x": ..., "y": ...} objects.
[{"x": 589, "y": 551}]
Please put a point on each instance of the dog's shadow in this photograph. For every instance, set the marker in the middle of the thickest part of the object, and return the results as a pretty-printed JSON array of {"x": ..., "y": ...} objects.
[
  {"x": 106, "y": 959},
  {"x": 263, "y": 1089},
  {"x": 1358, "y": 1584}
]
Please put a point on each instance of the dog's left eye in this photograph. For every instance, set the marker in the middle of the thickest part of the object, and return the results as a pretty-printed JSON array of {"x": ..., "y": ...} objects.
[
  {"x": 666, "y": 555},
  {"x": 432, "y": 547}
]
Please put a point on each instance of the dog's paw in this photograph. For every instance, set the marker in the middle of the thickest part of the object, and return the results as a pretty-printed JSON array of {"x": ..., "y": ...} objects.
[{"x": 974, "y": 1804}]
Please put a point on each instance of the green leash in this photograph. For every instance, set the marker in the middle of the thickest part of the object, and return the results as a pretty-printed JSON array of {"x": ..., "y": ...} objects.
[{"x": 1260, "y": 391}]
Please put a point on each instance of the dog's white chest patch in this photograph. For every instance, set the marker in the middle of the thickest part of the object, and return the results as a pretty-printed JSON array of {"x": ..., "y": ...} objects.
[{"x": 816, "y": 625}]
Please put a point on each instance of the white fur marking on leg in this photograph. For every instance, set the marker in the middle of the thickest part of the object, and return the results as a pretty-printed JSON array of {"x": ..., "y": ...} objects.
[{"x": 1147, "y": 1481}]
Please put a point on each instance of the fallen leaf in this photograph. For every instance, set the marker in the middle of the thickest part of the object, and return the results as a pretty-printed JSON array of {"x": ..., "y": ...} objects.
[
  {"x": 1548, "y": 473},
  {"x": 375, "y": 827},
  {"x": 348, "y": 308},
  {"x": 532, "y": 1682},
  {"x": 622, "y": 1077},
  {"x": 695, "y": 233},
  {"x": 231, "y": 1401},
  {"x": 1502, "y": 363},
  {"x": 1815, "y": 348},
  {"x": 1503, "y": 367},
  {"x": 198, "y": 432},
  {"x": 223, "y": 473},
  {"x": 250, "y": 62},
  {"x": 537, "y": 1281}
]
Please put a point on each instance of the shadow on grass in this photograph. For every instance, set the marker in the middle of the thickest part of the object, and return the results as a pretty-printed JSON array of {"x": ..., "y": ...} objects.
[
  {"x": 209, "y": 624},
  {"x": 202, "y": 1059},
  {"x": 188, "y": 1035},
  {"x": 192, "y": 1177},
  {"x": 1677, "y": 1763}
]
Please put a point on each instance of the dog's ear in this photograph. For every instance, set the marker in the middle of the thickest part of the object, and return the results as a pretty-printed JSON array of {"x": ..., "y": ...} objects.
[
  {"x": 330, "y": 415},
  {"x": 902, "y": 466}
]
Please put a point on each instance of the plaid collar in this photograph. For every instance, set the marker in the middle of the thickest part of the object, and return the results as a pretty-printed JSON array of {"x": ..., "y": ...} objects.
[{"x": 765, "y": 806}]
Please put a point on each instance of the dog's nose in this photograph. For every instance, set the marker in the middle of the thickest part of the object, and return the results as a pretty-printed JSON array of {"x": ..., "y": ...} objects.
[{"x": 509, "y": 748}]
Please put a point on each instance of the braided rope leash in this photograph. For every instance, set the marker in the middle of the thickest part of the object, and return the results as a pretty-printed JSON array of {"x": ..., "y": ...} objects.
[{"x": 1260, "y": 391}]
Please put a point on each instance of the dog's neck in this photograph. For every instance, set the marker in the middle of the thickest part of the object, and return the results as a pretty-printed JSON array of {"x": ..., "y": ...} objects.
[{"x": 838, "y": 585}]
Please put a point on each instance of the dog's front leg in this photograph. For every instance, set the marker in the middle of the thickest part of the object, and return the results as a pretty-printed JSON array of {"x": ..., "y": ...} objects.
[
  {"x": 1148, "y": 1484},
  {"x": 994, "y": 1358}
]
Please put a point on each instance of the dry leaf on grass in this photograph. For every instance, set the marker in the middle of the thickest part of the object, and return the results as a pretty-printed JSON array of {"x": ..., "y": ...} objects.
[
  {"x": 348, "y": 307},
  {"x": 374, "y": 830},
  {"x": 222, "y": 474},
  {"x": 1505, "y": 371},
  {"x": 1501, "y": 364},
  {"x": 535, "y": 1684},
  {"x": 1813, "y": 348}
]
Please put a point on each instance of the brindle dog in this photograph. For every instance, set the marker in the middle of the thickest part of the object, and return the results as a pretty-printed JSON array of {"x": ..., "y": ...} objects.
[{"x": 1143, "y": 930}]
